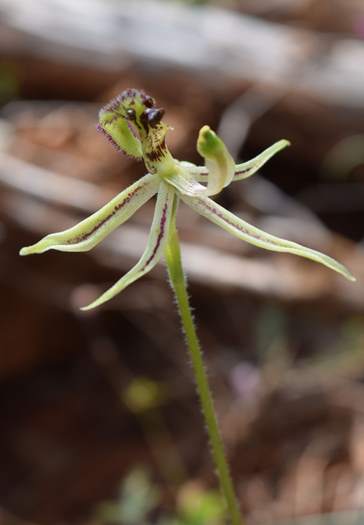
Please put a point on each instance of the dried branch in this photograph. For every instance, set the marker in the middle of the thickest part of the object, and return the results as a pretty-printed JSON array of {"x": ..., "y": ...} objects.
[{"x": 206, "y": 40}]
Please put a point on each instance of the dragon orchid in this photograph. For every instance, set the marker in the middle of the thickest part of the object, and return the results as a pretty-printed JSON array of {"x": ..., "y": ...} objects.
[{"x": 134, "y": 125}]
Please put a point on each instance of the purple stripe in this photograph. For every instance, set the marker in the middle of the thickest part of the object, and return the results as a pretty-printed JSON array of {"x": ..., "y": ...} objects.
[
  {"x": 84, "y": 236},
  {"x": 160, "y": 235},
  {"x": 239, "y": 227},
  {"x": 241, "y": 172}
]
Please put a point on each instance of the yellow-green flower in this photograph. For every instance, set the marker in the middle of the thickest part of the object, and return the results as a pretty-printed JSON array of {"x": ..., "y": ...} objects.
[{"x": 134, "y": 125}]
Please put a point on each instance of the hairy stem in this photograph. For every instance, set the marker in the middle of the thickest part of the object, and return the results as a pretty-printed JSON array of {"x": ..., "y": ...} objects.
[{"x": 179, "y": 285}]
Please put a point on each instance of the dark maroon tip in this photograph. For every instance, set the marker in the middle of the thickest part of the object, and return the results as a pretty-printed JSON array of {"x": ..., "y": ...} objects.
[
  {"x": 148, "y": 101},
  {"x": 154, "y": 115}
]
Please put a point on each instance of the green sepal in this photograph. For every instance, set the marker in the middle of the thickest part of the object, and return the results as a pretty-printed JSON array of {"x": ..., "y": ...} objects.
[
  {"x": 246, "y": 232},
  {"x": 154, "y": 250},
  {"x": 92, "y": 230}
]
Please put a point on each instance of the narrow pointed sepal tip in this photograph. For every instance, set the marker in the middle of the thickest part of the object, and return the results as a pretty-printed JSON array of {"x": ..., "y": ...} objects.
[
  {"x": 27, "y": 250},
  {"x": 36, "y": 248},
  {"x": 85, "y": 308},
  {"x": 340, "y": 268},
  {"x": 91, "y": 306},
  {"x": 284, "y": 143}
]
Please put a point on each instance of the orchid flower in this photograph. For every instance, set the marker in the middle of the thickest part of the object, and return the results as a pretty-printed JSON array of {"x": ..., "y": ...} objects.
[{"x": 133, "y": 124}]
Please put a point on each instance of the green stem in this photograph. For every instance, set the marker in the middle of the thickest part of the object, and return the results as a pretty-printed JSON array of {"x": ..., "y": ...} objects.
[{"x": 178, "y": 282}]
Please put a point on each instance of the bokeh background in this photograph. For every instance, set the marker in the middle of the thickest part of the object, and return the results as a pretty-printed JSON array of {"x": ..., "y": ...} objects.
[{"x": 99, "y": 418}]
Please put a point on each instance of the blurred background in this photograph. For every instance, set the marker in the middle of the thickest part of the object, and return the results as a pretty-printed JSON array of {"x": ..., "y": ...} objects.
[{"x": 99, "y": 418}]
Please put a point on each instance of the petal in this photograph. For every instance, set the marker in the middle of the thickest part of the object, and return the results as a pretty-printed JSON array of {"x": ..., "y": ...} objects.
[
  {"x": 184, "y": 182},
  {"x": 218, "y": 161},
  {"x": 246, "y": 232},
  {"x": 154, "y": 250},
  {"x": 244, "y": 170},
  {"x": 91, "y": 231}
]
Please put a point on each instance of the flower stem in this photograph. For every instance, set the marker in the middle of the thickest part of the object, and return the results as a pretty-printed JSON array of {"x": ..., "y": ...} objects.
[{"x": 178, "y": 282}]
